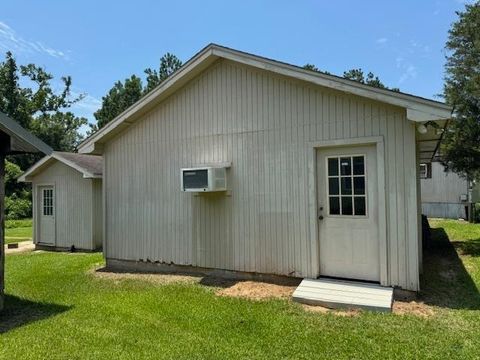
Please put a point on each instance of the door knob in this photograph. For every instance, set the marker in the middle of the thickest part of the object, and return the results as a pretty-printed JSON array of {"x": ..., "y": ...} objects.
[{"x": 320, "y": 217}]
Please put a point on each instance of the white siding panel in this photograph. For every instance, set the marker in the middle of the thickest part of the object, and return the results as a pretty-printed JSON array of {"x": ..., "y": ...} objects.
[{"x": 263, "y": 124}]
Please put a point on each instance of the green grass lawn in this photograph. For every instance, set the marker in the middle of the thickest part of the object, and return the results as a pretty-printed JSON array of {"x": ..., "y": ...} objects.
[
  {"x": 57, "y": 309},
  {"x": 18, "y": 230}
]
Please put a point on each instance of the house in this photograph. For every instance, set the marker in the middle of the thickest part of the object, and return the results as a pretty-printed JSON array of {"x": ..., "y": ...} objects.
[
  {"x": 13, "y": 140},
  {"x": 444, "y": 194},
  {"x": 245, "y": 165},
  {"x": 67, "y": 201}
]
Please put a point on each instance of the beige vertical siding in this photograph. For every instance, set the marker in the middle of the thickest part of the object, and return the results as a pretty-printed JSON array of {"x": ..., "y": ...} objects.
[
  {"x": 97, "y": 213},
  {"x": 263, "y": 124},
  {"x": 73, "y": 205},
  {"x": 443, "y": 187},
  {"x": 441, "y": 194}
]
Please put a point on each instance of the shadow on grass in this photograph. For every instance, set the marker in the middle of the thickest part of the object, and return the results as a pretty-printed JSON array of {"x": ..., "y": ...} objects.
[
  {"x": 445, "y": 281},
  {"x": 18, "y": 312},
  {"x": 471, "y": 247}
]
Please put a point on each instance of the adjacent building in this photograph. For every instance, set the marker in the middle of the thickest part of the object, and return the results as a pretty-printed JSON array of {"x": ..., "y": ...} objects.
[{"x": 67, "y": 201}]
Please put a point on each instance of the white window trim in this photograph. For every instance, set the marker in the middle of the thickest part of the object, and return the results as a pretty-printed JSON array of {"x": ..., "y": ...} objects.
[{"x": 339, "y": 177}]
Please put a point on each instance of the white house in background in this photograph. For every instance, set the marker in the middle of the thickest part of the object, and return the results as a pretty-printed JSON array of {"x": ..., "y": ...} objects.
[
  {"x": 444, "y": 194},
  {"x": 67, "y": 201},
  {"x": 246, "y": 164}
]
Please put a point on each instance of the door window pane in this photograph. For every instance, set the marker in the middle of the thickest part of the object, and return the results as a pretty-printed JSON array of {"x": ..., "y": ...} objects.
[
  {"x": 359, "y": 185},
  {"x": 47, "y": 207},
  {"x": 346, "y": 180},
  {"x": 360, "y": 208},
  {"x": 358, "y": 165},
  {"x": 333, "y": 188},
  {"x": 345, "y": 166},
  {"x": 333, "y": 167},
  {"x": 334, "y": 205},
  {"x": 346, "y": 185},
  {"x": 347, "y": 205}
]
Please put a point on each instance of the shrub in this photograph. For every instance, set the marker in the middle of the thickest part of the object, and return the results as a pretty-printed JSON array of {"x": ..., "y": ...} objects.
[{"x": 16, "y": 208}]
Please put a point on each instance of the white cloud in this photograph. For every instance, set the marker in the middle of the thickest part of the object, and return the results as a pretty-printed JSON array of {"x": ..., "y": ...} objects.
[
  {"x": 10, "y": 40},
  {"x": 409, "y": 71},
  {"x": 85, "y": 107},
  {"x": 381, "y": 40}
]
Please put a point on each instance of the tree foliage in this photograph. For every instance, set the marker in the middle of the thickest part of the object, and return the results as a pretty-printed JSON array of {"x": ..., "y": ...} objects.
[
  {"x": 27, "y": 95},
  {"x": 461, "y": 146},
  {"x": 370, "y": 79},
  {"x": 119, "y": 97},
  {"x": 169, "y": 63},
  {"x": 37, "y": 107},
  {"x": 18, "y": 204},
  {"x": 124, "y": 94},
  {"x": 356, "y": 75}
]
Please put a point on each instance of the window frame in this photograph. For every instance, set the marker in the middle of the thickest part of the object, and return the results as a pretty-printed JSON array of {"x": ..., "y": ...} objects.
[
  {"x": 351, "y": 176},
  {"x": 428, "y": 170},
  {"x": 48, "y": 208}
]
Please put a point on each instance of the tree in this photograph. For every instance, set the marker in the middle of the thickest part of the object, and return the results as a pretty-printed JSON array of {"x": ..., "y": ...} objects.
[
  {"x": 461, "y": 146},
  {"x": 27, "y": 96},
  {"x": 59, "y": 130},
  {"x": 371, "y": 79},
  {"x": 119, "y": 97},
  {"x": 312, "y": 67},
  {"x": 169, "y": 63},
  {"x": 124, "y": 94},
  {"x": 34, "y": 106},
  {"x": 356, "y": 75},
  {"x": 17, "y": 196}
]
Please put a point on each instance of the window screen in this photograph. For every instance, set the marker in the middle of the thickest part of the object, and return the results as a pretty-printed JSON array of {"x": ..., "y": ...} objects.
[
  {"x": 195, "y": 179},
  {"x": 347, "y": 185},
  {"x": 47, "y": 202}
]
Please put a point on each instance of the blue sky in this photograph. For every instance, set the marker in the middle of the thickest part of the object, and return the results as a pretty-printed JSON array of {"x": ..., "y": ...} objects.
[{"x": 99, "y": 42}]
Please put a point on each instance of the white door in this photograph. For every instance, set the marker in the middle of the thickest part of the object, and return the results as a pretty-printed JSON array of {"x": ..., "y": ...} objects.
[
  {"x": 46, "y": 215},
  {"x": 348, "y": 212}
]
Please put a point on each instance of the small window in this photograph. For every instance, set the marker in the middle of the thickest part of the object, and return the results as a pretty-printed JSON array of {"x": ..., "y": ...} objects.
[
  {"x": 48, "y": 202},
  {"x": 347, "y": 185},
  {"x": 425, "y": 171}
]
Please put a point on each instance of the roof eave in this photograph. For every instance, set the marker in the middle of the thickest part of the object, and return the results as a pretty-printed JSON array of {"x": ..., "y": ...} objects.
[
  {"x": 418, "y": 109},
  {"x": 27, "y": 141},
  {"x": 193, "y": 67},
  {"x": 38, "y": 166}
]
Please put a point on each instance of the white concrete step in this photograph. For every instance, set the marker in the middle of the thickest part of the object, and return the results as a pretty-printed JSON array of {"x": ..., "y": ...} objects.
[{"x": 336, "y": 294}]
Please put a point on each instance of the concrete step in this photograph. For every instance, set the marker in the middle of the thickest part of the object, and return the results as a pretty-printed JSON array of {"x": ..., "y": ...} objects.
[{"x": 342, "y": 294}]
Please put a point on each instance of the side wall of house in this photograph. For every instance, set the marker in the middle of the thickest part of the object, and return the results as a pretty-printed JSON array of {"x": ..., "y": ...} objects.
[
  {"x": 441, "y": 194},
  {"x": 264, "y": 124},
  {"x": 73, "y": 205}
]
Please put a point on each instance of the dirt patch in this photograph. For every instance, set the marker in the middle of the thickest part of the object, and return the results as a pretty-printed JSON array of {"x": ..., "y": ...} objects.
[
  {"x": 257, "y": 290},
  {"x": 161, "y": 279},
  {"x": 23, "y": 246},
  {"x": 412, "y": 308}
]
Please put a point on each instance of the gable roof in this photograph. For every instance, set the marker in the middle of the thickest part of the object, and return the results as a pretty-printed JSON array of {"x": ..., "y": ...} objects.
[
  {"x": 418, "y": 109},
  {"x": 89, "y": 165},
  {"x": 21, "y": 141}
]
